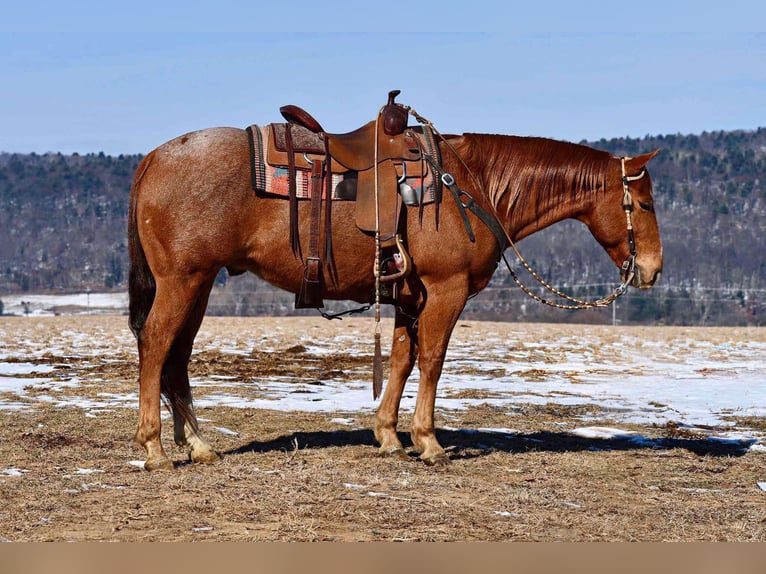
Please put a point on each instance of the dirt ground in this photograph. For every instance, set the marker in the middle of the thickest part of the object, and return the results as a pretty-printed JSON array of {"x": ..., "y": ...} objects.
[{"x": 302, "y": 476}]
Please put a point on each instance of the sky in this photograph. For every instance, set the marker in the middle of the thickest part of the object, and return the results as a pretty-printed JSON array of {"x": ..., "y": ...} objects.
[{"x": 126, "y": 77}]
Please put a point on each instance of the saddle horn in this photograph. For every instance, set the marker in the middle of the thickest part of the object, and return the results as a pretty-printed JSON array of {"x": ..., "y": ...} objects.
[{"x": 394, "y": 115}]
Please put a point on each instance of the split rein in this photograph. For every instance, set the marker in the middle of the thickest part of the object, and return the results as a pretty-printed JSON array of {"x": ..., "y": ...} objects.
[{"x": 492, "y": 221}]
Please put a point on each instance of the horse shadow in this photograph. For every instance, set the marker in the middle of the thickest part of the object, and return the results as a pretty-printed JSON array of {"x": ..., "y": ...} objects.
[{"x": 470, "y": 443}]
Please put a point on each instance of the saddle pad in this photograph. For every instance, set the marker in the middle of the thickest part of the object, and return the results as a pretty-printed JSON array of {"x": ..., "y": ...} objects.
[{"x": 274, "y": 179}]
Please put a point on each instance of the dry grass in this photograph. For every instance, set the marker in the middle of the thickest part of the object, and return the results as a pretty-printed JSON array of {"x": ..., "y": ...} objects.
[{"x": 300, "y": 476}]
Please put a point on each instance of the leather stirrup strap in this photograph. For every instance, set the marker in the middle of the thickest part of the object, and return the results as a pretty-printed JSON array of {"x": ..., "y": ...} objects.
[
  {"x": 328, "y": 254},
  {"x": 310, "y": 294},
  {"x": 292, "y": 193},
  {"x": 313, "y": 262}
]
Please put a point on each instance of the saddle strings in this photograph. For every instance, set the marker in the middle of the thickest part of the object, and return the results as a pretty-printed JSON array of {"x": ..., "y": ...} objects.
[
  {"x": 577, "y": 303},
  {"x": 377, "y": 363}
]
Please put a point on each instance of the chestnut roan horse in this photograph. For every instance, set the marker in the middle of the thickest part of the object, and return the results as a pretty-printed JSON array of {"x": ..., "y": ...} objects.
[{"x": 193, "y": 212}]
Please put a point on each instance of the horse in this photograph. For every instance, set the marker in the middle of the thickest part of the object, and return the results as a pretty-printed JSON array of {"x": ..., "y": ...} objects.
[{"x": 192, "y": 212}]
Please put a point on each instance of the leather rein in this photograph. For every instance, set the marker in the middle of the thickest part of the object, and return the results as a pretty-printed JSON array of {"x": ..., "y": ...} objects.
[{"x": 491, "y": 220}]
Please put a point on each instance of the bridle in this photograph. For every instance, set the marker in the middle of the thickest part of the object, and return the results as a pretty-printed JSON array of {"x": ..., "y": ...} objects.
[
  {"x": 627, "y": 269},
  {"x": 629, "y": 265}
]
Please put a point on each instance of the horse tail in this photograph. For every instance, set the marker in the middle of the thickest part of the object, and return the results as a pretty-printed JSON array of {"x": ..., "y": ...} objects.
[{"x": 141, "y": 284}]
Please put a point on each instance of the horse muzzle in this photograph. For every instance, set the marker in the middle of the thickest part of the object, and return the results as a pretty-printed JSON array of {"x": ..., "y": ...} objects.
[{"x": 643, "y": 278}]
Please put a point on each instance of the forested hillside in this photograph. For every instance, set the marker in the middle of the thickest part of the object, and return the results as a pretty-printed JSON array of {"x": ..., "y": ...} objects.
[
  {"x": 63, "y": 221},
  {"x": 63, "y": 226}
]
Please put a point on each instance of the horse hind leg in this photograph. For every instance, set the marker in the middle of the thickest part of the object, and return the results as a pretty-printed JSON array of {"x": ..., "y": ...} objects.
[
  {"x": 176, "y": 388},
  {"x": 174, "y": 303},
  {"x": 186, "y": 432}
]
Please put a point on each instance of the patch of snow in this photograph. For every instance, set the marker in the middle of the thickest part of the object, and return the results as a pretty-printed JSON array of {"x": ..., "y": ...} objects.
[
  {"x": 605, "y": 433},
  {"x": 87, "y": 471},
  {"x": 16, "y": 385},
  {"x": 78, "y": 303},
  {"x": 13, "y": 472},
  {"x": 89, "y": 485},
  {"x": 342, "y": 421},
  {"x": 504, "y": 513},
  {"x": 8, "y": 369},
  {"x": 503, "y": 431}
]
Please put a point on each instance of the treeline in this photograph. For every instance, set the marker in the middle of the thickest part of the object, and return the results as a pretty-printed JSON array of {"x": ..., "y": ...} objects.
[
  {"x": 63, "y": 228},
  {"x": 63, "y": 221}
]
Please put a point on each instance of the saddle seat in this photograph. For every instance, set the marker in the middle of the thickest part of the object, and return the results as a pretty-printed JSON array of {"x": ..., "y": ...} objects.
[{"x": 354, "y": 150}]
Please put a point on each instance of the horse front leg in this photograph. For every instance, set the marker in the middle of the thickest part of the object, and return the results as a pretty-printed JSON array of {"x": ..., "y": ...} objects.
[
  {"x": 403, "y": 355},
  {"x": 443, "y": 307}
]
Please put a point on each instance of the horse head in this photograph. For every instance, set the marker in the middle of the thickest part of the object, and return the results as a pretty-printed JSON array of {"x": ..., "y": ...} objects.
[{"x": 623, "y": 221}]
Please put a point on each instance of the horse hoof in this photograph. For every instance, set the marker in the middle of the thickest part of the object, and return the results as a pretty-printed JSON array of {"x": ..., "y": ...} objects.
[
  {"x": 439, "y": 459},
  {"x": 204, "y": 457},
  {"x": 395, "y": 452},
  {"x": 163, "y": 463}
]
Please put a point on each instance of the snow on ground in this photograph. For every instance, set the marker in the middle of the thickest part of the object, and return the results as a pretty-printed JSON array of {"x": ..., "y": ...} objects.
[
  {"x": 694, "y": 377},
  {"x": 77, "y": 303}
]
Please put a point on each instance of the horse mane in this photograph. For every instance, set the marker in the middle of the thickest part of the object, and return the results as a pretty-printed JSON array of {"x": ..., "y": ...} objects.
[{"x": 533, "y": 173}]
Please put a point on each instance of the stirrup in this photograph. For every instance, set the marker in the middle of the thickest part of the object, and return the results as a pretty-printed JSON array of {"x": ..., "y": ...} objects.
[{"x": 406, "y": 263}]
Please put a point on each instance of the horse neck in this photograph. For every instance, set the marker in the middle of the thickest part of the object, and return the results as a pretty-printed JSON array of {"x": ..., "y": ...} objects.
[
  {"x": 532, "y": 183},
  {"x": 523, "y": 214}
]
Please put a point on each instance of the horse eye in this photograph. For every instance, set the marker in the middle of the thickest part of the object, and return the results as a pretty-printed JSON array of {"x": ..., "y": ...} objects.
[{"x": 646, "y": 206}]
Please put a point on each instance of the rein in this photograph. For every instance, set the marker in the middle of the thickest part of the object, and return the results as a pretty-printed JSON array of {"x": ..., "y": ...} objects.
[
  {"x": 493, "y": 222},
  {"x": 628, "y": 266}
]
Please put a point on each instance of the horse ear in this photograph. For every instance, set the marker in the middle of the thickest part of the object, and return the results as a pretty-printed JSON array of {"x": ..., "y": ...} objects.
[{"x": 636, "y": 163}]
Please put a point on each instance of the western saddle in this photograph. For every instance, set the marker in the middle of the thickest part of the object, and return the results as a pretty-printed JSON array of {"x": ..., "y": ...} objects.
[{"x": 370, "y": 160}]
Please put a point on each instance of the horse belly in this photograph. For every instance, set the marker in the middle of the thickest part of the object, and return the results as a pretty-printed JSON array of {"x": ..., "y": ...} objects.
[{"x": 348, "y": 275}]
